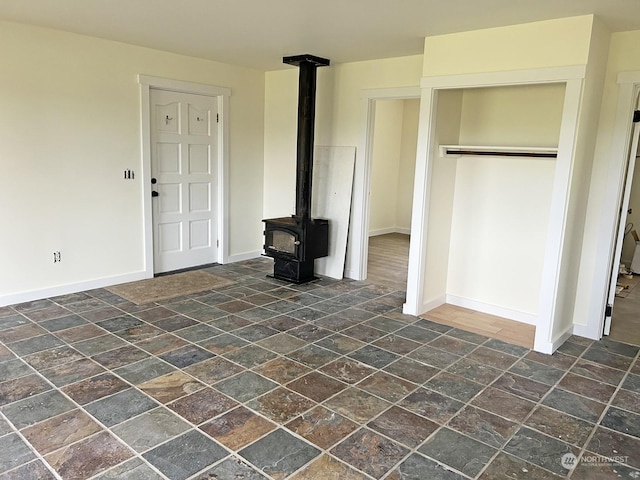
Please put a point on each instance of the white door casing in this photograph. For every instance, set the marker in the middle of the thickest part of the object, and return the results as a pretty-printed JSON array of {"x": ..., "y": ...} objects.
[
  {"x": 622, "y": 221},
  {"x": 628, "y": 94},
  {"x": 183, "y": 149}
]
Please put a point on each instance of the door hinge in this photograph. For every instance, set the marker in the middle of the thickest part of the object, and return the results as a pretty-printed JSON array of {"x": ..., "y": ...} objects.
[
  {"x": 636, "y": 116},
  {"x": 608, "y": 311},
  {"x": 217, "y": 243},
  {"x": 217, "y": 118}
]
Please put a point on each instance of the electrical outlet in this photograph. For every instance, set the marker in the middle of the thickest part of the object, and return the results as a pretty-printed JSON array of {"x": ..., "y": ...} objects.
[{"x": 57, "y": 257}]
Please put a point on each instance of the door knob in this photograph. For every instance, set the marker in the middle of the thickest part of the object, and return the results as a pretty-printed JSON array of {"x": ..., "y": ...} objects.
[
  {"x": 154, "y": 193},
  {"x": 154, "y": 181}
]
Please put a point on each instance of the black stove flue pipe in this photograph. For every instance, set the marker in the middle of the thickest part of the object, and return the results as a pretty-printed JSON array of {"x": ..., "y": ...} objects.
[{"x": 308, "y": 64}]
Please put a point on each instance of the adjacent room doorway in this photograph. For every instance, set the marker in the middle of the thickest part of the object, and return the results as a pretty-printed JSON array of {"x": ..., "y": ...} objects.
[
  {"x": 622, "y": 317},
  {"x": 358, "y": 253},
  {"x": 391, "y": 190}
]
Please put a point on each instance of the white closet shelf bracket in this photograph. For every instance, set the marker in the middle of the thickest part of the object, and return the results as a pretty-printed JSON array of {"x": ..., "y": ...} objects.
[{"x": 497, "y": 151}]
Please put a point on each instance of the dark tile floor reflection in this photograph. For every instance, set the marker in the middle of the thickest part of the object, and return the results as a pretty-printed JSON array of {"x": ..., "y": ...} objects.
[{"x": 326, "y": 380}]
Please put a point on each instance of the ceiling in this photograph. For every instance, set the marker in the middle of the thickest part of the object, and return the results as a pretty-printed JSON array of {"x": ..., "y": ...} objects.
[{"x": 258, "y": 33}]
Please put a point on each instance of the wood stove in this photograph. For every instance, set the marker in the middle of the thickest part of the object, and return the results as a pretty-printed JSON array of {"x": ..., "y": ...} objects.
[{"x": 295, "y": 242}]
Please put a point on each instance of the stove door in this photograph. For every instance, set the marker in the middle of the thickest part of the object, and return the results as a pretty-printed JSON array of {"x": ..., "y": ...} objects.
[{"x": 281, "y": 243}]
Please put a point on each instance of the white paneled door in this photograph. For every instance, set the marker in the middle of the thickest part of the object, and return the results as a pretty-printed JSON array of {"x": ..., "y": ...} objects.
[{"x": 183, "y": 170}]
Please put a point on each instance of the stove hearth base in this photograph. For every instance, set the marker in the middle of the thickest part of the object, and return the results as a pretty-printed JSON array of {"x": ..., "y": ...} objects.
[{"x": 293, "y": 271}]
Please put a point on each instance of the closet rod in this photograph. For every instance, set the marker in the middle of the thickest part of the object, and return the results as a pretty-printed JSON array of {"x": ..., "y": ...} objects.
[
  {"x": 505, "y": 154},
  {"x": 492, "y": 151}
]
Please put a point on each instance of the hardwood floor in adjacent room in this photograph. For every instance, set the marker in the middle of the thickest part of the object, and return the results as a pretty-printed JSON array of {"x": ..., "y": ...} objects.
[
  {"x": 387, "y": 265},
  {"x": 388, "y": 260},
  {"x": 625, "y": 323},
  {"x": 491, "y": 326}
]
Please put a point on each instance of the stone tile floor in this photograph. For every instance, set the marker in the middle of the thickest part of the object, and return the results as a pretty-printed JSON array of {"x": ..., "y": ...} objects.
[{"x": 265, "y": 380}]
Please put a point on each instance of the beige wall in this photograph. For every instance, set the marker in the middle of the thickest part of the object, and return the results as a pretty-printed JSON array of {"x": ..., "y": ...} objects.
[
  {"x": 411, "y": 112},
  {"x": 553, "y": 43},
  {"x": 385, "y": 168},
  {"x": 394, "y": 159},
  {"x": 70, "y": 125},
  {"x": 570, "y": 294}
]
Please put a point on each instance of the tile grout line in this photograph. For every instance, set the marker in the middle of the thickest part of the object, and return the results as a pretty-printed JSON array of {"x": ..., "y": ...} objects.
[
  {"x": 603, "y": 414},
  {"x": 343, "y": 356}
]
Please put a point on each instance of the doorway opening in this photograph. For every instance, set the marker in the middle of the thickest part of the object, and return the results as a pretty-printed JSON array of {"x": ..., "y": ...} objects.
[
  {"x": 391, "y": 190},
  {"x": 356, "y": 264},
  {"x": 622, "y": 323}
]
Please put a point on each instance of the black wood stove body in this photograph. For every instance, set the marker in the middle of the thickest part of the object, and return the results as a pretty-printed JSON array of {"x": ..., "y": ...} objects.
[{"x": 295, "y": 242}]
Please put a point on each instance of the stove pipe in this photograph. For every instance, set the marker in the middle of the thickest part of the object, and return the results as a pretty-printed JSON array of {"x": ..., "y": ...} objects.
[{"x": 308, "y": 64}]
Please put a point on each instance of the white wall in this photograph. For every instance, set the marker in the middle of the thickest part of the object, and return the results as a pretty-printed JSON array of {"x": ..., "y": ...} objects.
[{"x": 70, "y": 126}]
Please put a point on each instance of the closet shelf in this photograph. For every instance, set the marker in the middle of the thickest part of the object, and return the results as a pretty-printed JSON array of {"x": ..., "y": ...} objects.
[{"x": 497, "y": 151}]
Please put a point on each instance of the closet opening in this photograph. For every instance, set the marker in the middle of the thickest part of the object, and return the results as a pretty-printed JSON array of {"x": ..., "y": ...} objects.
[{"x": 490, "y": 197}]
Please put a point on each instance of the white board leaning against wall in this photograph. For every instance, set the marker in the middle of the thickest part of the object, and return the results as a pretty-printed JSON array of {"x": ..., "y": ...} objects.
[{"x": 331, "y": 199}]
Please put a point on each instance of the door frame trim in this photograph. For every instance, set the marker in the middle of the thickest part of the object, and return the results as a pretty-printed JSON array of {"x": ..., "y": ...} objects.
[
  {"x": 222, "y": 94},
  {"x": 356, "y": 260},
  {"x": 618, "y": 152}
]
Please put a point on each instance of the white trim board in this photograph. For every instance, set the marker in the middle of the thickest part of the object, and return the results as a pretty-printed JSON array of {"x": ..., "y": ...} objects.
[
  {"x": 507, "y": 313},
  {"x": 572, "y": 77},
  {"x": 514, "y": 77},
  {"x": 15, "y": 298},
  {"x": 628, "y": 94},
  {"x": 147, "y": 83},
  {"x": 385, "y": 231},
  {"x": 239, "y": 257},
  {"x": 552, "y": 346}
]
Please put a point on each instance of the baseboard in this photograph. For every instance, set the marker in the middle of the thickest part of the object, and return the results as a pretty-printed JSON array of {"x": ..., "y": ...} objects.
[
  {"x": 351, "y": 274},
  {"x": 239, "y": 257},
  {"x": 586, "y": 332},
  {"x": 496, "y": 310},
  {"x": 550, "y": 347},
  {"x": 385, "y": 231},
  {"x": 425, "y": 306},
  {"x": 15, "y": 298}
]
